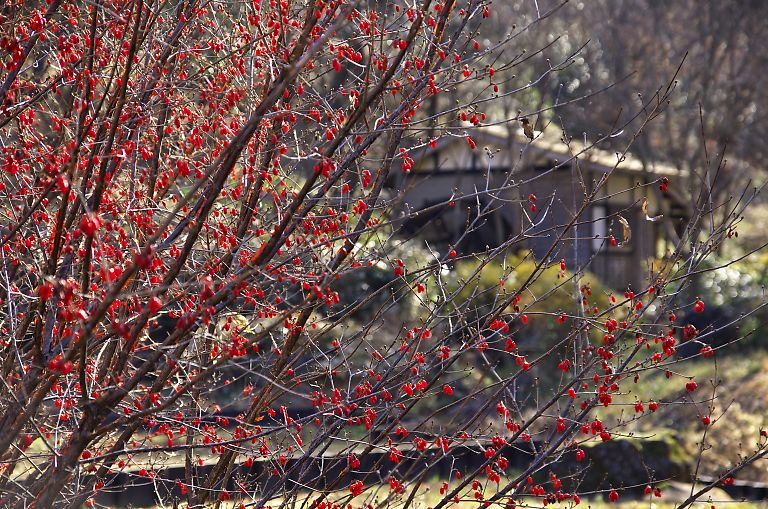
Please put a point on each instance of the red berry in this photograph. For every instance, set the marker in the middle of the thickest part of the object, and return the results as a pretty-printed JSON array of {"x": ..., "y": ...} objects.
[
  {"x": 90, "y": 224},
  {"x": 27, "y": 439},
  {"x": 155, "y": 304},
  {"x": 45, "y": 292},
  {"x": 356, "y": 488},
  {"x": 63, "y": 183},
  {"x": 143, "y": 260}
]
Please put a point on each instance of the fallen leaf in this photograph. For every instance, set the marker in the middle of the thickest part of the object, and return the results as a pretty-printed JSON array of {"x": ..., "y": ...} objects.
[
  {"x": 627, "y": 230},
  {"x": 645, "y": 212}
]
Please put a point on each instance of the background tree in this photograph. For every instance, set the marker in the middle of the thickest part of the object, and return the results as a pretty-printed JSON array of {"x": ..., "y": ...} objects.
[{"x": 633, "y": 48}]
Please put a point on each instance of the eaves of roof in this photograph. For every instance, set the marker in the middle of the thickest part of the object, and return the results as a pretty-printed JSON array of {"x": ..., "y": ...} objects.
[{"x": 551, "y": 146}]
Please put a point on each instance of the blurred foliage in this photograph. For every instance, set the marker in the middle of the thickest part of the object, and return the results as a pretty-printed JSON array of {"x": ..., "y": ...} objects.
[
  {"x": 730, "y": 291},
  {"x": 738, "y": 411},
  {"x": 552, "y": 291},
  {"x": 364, "y": 288}
]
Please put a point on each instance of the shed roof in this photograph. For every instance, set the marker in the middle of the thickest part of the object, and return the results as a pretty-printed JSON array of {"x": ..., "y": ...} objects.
[{"x": 548, "y": 145}]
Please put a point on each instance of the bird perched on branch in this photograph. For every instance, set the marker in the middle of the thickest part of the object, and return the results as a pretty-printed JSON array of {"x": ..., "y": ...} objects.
[{"x": 527, "y": 128}]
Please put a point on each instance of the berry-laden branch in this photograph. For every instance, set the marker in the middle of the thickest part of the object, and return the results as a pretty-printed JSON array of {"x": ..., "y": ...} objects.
[{"x": 247, "y": 259}]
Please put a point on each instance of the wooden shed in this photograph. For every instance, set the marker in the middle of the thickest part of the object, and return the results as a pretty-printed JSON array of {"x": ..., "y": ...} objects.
[{"x": 505, "y": 168}]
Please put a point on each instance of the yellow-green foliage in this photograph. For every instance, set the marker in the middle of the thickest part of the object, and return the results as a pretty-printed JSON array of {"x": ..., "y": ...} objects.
[{"x": 550, "y": 290}]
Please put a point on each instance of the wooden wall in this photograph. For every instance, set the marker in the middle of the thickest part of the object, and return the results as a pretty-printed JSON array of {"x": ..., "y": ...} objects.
[{"x": 472, "y": 176}]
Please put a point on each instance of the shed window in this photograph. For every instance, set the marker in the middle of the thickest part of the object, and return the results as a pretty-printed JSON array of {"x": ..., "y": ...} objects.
[{"x": 599, "y": 227}]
